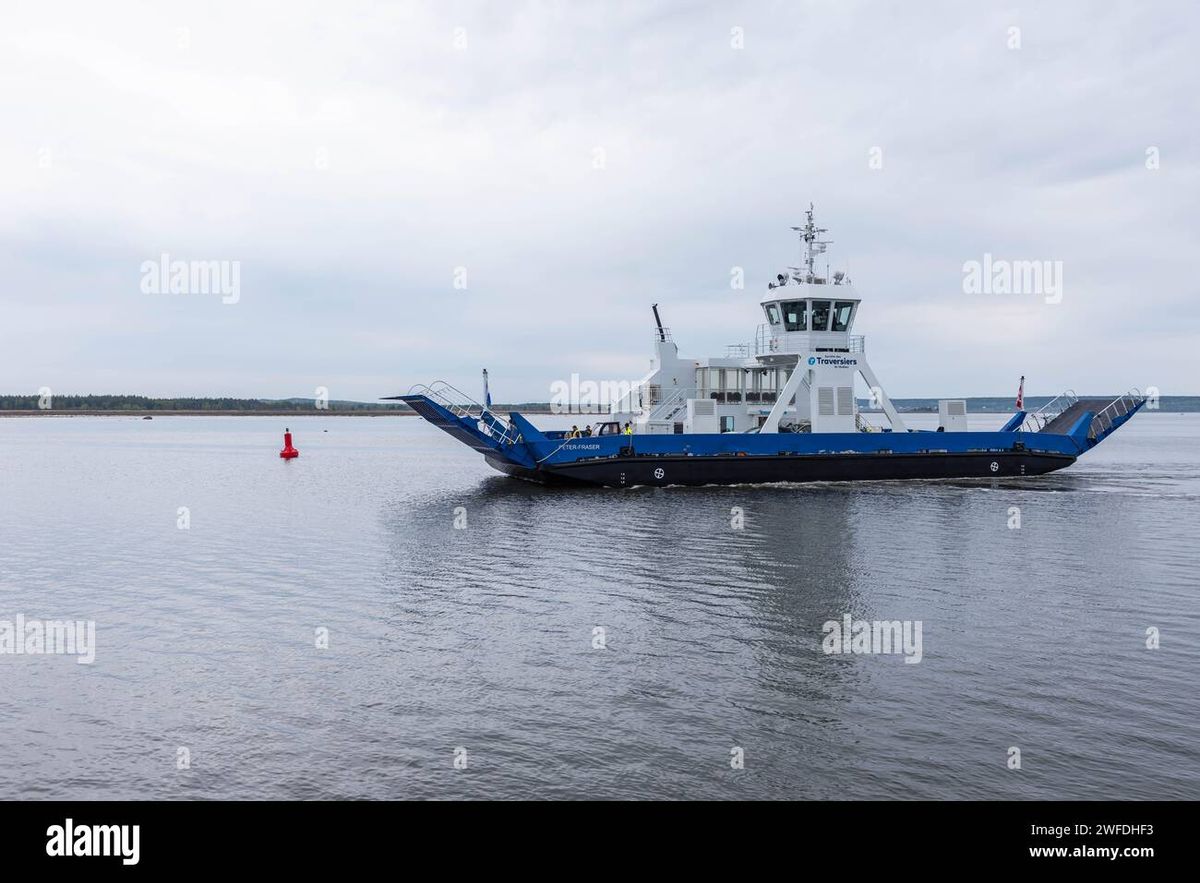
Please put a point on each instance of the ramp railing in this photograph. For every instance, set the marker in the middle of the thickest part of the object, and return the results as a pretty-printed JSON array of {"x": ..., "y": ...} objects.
[
  {"x": 1117, "y": 408},
  {"x": 1036, "y": 421},
  {"x": 463, "y": 406}
]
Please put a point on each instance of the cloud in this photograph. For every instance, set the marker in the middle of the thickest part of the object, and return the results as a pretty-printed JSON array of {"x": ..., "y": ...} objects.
[{"x": 581, "y": 162}]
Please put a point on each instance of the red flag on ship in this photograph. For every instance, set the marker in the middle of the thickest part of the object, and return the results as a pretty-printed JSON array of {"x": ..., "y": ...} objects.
[{"x": 1021, "y": 394}]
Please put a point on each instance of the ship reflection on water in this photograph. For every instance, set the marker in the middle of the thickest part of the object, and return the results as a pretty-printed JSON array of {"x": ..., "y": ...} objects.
[{"x": 713, "y": 632}]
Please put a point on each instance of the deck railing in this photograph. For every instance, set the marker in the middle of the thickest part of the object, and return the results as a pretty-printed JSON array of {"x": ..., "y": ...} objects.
[
  {"x": 670, "y": 407},
  {"x": 462, "y": 405},
  {"x": 1036, "y": 421},
  {"x": 675, "y": 403},
  {"x": 768, "y": 340},
  {"x": 1118, "y": 407}
]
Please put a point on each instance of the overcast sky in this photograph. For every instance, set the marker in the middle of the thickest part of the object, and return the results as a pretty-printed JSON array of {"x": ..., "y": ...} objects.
[{"x": 354, "y": 157}]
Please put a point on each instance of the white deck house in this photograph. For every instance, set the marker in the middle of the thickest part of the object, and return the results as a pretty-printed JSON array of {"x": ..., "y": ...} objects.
[{"x": 797, "y": 375}]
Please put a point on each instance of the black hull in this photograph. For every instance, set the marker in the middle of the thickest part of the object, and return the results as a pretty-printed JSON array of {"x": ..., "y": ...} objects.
[{"x": 663, "y": 471}]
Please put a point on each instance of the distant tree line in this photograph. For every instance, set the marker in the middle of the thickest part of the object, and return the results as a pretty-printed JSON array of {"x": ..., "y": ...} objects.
[{"x": 144, "y": 403}]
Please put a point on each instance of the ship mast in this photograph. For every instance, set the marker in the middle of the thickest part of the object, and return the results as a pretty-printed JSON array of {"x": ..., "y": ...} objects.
[{"x": 813, "y": 244}]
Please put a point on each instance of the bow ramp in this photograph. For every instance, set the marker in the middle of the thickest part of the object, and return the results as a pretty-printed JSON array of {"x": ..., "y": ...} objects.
[
  {"x": 1086, "y": 421},
  {"x": 473, "y": 424}
]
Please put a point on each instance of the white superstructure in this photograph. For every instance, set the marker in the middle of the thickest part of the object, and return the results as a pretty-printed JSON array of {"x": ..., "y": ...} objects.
[{"x": 798, "y": 375}]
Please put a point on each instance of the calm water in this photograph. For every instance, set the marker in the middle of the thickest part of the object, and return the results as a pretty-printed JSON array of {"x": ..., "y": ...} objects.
[{"x": 482, "y": 638}]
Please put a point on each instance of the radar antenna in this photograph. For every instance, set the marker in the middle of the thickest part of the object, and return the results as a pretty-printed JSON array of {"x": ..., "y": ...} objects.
[{"x": 813, "y": 244}]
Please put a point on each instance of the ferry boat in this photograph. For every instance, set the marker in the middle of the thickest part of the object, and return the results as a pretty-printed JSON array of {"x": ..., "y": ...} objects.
[{"x": 780, "y": 408}]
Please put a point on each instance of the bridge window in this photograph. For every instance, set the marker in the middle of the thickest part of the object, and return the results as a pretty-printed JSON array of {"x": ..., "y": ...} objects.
[
  {"x": 795, "y": 317},
  {"x": 820, "y": 315},
  {"x": 773, "y": 314},
  {"x": 841, "y": 315}
]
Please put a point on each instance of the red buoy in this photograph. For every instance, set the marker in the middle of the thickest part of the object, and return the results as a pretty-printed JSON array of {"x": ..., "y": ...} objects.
[{"x": 288, "y": 451}]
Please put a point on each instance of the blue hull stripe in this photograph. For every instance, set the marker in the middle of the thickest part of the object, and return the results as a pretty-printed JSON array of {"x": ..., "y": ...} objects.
[{"x": 534, "y": 449}]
